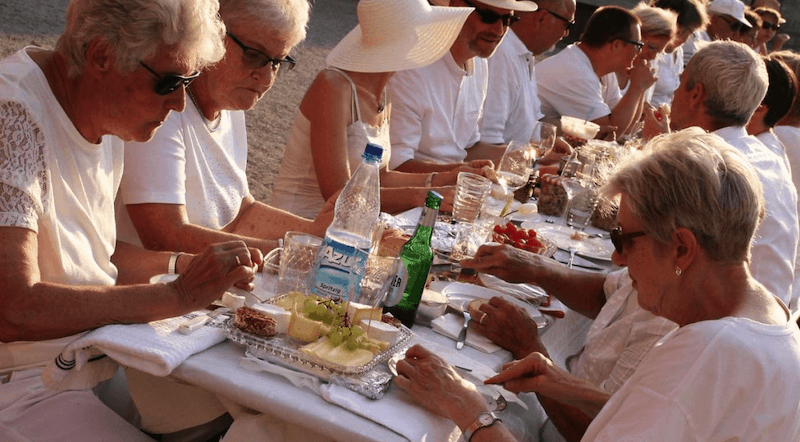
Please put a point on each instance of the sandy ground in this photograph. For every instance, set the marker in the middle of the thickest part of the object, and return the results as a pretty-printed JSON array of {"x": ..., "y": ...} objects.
[{"x": 39, "y": 22}]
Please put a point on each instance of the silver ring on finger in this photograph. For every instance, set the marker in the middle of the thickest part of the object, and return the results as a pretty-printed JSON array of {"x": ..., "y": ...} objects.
[{"x": 480, "y": 321}]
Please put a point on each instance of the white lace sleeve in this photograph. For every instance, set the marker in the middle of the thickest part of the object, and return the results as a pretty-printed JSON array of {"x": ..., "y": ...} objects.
[{"x": 23, "y": 177}]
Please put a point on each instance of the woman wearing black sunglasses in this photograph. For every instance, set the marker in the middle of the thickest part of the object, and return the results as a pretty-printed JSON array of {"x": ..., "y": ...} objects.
[
  {"x": 771, "y": 21},
  {"x": 187, "y": 187},
  {"x": 688, "y": 214}
]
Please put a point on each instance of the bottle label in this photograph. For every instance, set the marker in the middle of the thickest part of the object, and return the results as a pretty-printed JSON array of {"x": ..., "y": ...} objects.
[{"x": 340, "y": 270}]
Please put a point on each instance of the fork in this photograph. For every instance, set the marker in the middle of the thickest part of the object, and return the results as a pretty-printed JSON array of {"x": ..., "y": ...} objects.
[
  {"x": 550, "y": 219},
  {"x": 572, "y": 251},
  {"x": 463, "y": 335}
]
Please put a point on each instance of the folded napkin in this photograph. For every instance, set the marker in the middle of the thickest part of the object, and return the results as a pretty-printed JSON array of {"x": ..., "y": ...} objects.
[
  {"x": 155, "y": 348},
  {"x": 450, "y": 326},
  {"x": 298, "y": 379}
]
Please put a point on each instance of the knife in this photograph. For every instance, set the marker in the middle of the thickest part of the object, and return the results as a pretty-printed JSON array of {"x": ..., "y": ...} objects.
[
  {"x": 463, "y": 335},
  {"x": 446, "y": 267}
]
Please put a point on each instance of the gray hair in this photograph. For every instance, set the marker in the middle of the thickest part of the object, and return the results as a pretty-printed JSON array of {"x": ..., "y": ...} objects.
[
  {"x": 284, "y": 19},
  {"x": 734, "y": 78},
  {"x": 656, "y": 22},
  {"x": 135, "y": 28},
  {"x": 695, "y": 180}
]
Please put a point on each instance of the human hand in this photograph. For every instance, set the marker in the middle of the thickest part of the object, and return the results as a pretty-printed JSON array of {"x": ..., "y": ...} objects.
[
  {"x": 607, "y": 133},
  {"x": 448, "y": 196},
  {"x": 325, "y": 216},
  {"x": 212, "y": 272},
  {"x": 780, "y": 40},
  {"x": 535, "y": 373},
  {"x": 642, "y": 75},
  {"x": 436, "y": 386},
  {"x": 479, "y": 164},
  {"x": 656, "y": 121},
  {"x": 508, "y": 326},
  {"x": 506, "y": 262}
]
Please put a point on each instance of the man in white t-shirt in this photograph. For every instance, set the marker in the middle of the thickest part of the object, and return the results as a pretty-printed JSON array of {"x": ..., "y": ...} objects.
[
  {"x": 436, "y": 109},
  {"x": 512, "y": 103},
  {"x": 569, "y": 82},
  {"x": 726, "y": 19},
  {"x": 720, "y": 90}
]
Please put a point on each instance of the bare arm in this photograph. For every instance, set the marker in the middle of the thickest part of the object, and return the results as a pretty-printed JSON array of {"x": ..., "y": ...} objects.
[
  {"x": 485, "y": 151},
  {"x": 580, "y": 291},
  {"x": 32, "y": 310},
  {"x": 627, "y": 111}
]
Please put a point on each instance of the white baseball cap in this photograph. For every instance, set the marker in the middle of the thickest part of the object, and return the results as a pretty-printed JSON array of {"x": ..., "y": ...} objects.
[{"x": 734, "y": 8}]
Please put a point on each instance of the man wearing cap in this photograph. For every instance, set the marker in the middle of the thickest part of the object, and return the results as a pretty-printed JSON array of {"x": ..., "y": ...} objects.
[
  {"x": 726, "y": 19},
  {"x": 720, "y": 90},
  {"x": 569, "y": 82},
  {"x": 436, "y": 109},
  {"x": 512, "y": 104}
]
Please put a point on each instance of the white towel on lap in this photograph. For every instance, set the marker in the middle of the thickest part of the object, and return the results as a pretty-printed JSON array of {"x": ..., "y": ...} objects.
[{"x": 156, "y": 348}]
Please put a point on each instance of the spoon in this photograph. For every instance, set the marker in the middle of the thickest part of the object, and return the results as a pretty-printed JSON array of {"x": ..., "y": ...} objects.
[{"x": 463, "y": 335}]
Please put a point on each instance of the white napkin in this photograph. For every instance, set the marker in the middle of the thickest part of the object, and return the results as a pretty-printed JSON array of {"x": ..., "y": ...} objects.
[
  {"x": 155, "y": 348},
  {"x": 298, "y": 379},
  {"x": 450, "y": 326},
  {"x": 397, "y": 412}
]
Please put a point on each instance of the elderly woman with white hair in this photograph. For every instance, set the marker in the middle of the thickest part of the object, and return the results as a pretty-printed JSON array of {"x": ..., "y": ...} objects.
[
  {"x": 187, "y": 187},
  {"x": 348, "y": 105},
  {"x": 117, "y": 72},
  {"x": 687, "y": 216}
]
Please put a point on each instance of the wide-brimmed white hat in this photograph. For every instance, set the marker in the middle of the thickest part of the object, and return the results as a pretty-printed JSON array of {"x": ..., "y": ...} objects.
[
  {"x": 514, "y": 5},
  {"x": 734, "y": 8},
  {"x": 394, "y": 35}
]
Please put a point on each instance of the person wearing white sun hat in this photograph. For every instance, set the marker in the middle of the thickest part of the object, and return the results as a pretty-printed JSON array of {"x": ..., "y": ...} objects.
[
  {"x": 726, "y": 19},
  {"x": 436, "y": 109},
  {"x": 348, "y": 106}
]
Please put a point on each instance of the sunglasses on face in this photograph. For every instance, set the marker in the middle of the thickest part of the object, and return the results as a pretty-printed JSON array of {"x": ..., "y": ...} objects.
[
  {"x": 639, "y": 45},
  {"x": 770, "y": 26},
  {"x": 166, "y": 84},
  {"x": 570, "y": 23},
  {"x": 490, "y": 17},
  {"x": 620, "y": 240},
  {"x": 255, "y": 59},
  {"x": 736, "y": 26}
]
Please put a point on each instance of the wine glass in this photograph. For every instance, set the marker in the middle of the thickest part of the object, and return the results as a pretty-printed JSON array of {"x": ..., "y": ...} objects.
[
  {"x": 514, "y": 169},
  {"x": 542, "y": 139}
]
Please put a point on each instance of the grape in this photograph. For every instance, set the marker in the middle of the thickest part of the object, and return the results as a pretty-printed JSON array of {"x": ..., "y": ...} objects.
[
  {"x": 335, "y": 338},
  {"x": 351, "y": 343},
  {"x": 357, "y": 331}
]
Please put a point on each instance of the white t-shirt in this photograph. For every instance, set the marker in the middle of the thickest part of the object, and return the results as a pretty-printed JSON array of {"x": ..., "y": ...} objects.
[
  {"x": 296, "y": 188},
  {"x": 57, "y": 184},
  {"x": 187, "y": 164},
  {"x": 569, "y": 86},
  {"x": 692, "y": 44},
  {"x": 775, "y": 146},
  {"x": 620, "y": 337},
  {"x": 436, "y": 110},
  {"x": 669, "y": 69},
  {"x": 775, "y": 243},
  {"x": 512, "y": 102},
  {"x": 730, "y": 379},
  {"x": 790, "y": 137}
]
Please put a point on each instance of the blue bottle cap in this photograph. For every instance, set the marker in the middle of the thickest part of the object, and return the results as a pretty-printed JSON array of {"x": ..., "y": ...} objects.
[{"x": 373, "y": 152}]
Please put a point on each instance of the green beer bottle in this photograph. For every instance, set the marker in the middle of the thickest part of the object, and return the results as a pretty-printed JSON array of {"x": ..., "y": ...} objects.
[{"x": 417, "y": 256}]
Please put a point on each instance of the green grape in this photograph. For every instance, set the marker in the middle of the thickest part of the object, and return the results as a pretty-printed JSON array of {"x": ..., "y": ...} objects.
[
  {"x": 351, "y": 343},
  {"x": 357, "y": 331},
  {"x": 335, "y": 338}
]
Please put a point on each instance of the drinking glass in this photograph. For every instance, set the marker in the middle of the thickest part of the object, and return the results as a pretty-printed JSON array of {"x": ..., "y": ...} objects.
[
  {"x": 542, "y": 139},
  {"x": 297, "y": 262},
  {"x": 582, "y": 203},
  {"x": 471, "y": 191},
  {"x": 514, "y": 169},
  {"x": 469, "y": 238},
  {"x": 383, "y": 277}
]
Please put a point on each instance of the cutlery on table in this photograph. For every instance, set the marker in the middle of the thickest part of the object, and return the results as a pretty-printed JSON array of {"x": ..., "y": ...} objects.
[
  {"x": 572, "y": 252},
  {"x": 191, "y": 325},
  {"x": 463, "y": 335},
  {"x": 550, "y": 219}
]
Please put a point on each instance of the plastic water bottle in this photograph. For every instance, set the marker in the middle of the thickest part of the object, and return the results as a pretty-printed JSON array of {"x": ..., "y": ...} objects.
[{"x": 342, "y": 257}]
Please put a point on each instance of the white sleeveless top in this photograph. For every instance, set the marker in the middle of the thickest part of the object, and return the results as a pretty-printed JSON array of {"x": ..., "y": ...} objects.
[{"x": 296, "y": 188}]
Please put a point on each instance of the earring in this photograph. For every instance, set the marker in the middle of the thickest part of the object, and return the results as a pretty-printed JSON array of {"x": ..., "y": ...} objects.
[{"x": 678, "y": 271}]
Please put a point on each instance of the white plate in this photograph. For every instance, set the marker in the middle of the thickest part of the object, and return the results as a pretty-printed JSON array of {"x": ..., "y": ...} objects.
[
  {"x": 590, "y": 247},
  {"x": 525, "y": 292},
  {"x": 460, "y": 294}
]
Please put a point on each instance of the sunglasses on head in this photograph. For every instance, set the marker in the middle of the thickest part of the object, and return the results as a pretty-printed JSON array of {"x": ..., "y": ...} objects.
[
  {"x": 570, "y": 23},
  {"x": 770, "y": 26},
  {"x": 736, "y": 26},
  {"x": 255, "y": 59},
  {"x": 639, "y": 45},
  {"x": 490, "y": 17},
  {"x": 619, "y": 239},
  {"x": 166, "y": 84}
]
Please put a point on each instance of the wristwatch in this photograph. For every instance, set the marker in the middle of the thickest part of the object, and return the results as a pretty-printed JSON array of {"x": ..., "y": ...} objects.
[{"x": 484, "y": 419}]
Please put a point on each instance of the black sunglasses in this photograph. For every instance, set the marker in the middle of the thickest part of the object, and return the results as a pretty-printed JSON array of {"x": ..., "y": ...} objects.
[
  {"x": 619, "y": 239},
  {"x": 490, "y": 17},
  {"x": 770, "y": 26},
  {"x": 639, "y": 45},
  {"x": 255, "y": 59},
  {"x": 166, "y": 84},
  {"x": 736, "y": 26},
  {"x": 570, "y": 23}
]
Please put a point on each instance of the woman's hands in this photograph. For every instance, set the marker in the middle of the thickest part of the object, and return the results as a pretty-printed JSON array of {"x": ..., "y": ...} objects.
[
  {"x": 508, "y": 326},
  {"x": 656, "y": 121},
  {"x": 216, "y": 269},
  {"x": 506, "y": 262}
]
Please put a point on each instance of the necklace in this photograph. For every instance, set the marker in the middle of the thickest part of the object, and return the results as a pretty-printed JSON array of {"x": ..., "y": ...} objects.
[{"x": 211, "y": 125}]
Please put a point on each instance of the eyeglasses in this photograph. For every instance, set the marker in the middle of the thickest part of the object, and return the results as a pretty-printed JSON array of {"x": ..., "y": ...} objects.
[
  {"x": 490, "y": 17},
  {"x": 639, "y": 45},
  {"x": 770, "y": 26},
  {"x": 255, "y": 59},
  {"x": 167, "y": 84},
  {"x": 570, "y": 23},
  {"x": 619, "y": 239},
  {"x": 736, "y": 26}
]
